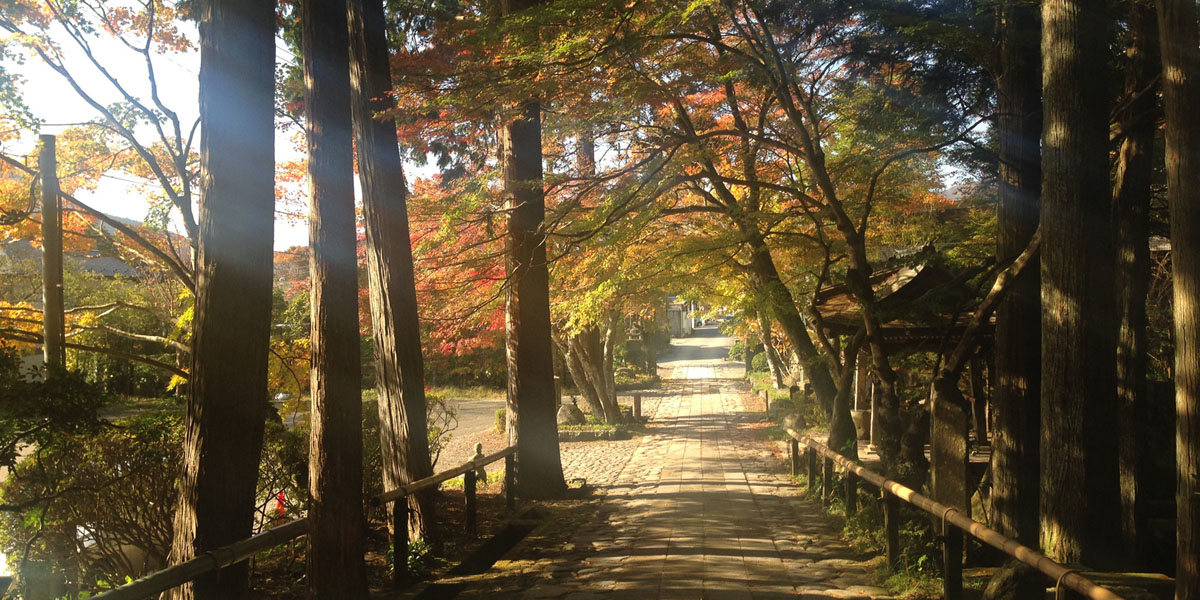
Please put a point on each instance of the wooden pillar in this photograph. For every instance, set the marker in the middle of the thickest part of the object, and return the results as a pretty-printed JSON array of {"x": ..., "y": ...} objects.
[
  {"x": 469, "y": 493},
  {"x": 891, "y": 526},
  {"x": 794, "y": 451},
  {"x": 862, "y": 383},
  {"x": 875, "y": 393},
  {"x": 53, "y": 352},
  {"x": 979, "y": 400},
  {"x": 850, "y": 485},
  {"x": 811, "y": 456},
  {"x": 827, "y": 481},
  {"x": 952, "y": 557}
]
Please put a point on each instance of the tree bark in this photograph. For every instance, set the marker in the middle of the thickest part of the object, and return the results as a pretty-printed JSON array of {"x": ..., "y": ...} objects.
[
  {"x": 54, "y": 356},
  {"x": 1080, "y": 495},
  {"x": 574, "y": 362},
  {"x": 227, "y": 403},
  {"x": 783, "y": 306},
  {"x": 764, "y": 332},
  {"x": 1131, "y": 208},
  {"x": 337, "y": 526},
  {"x": 400, "y": 370},
  {"x": 1016, "y": 405},
  {"x": 532, "y": 423},
  {"x": 1181, "y": 94}
]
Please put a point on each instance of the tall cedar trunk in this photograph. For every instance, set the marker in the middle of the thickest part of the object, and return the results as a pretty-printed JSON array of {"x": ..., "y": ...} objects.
[
  {"x": 53, "y": 307},
  {"x": 764, "y": 332},
  {"x": 227, "y": 404},
  {"x": 400, "y": 370},
  {"x": 783, "y": 306},
  {"x": 336, "y": 523},
  {"x": 532, "y": 424},
  {"x": 1181, "y": 94},
  {"x": 1016, "y": 406},
  {"x": 1131, "y": 207},
  {"x": 1080, "y": 498}
]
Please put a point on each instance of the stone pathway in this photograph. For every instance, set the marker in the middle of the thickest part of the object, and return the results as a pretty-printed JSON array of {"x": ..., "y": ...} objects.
[{"x": 694, "y": 509}]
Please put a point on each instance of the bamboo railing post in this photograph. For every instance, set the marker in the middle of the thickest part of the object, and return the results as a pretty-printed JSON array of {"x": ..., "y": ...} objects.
[
  {"x": 794, "y": 452},
  {"x": 891, "y": 526},
  {"x": 469, "y": 492},
  {"x": 510, "y": 481},
  {"x": 850, "y": 486},
  {"x": 952, "y": 554},
  {"x": 827, "y": 481},
  {"x": 811, "y": 455},
  {"x": 400, "y": 542}
]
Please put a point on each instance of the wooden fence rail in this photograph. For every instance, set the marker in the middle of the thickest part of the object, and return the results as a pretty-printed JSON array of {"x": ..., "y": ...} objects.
[
  {"x": 160, "y": 581},
  {"x": 951, "y": 536}
]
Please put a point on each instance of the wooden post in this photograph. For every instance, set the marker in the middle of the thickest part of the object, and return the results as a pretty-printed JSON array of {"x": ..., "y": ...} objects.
[
  {"x": 979, "y": 400},
  {"x": 510, "y": 478},
  {"x": 469, "y": 491},
  {"x": 637, "y": 406},
  {"x": 766, "y": 394},
  {"x": 952, "y": 555},
  {"x": 794, "y": 450},
  {"x": 827, "y": 481},
  {"x": 891, "y": 526},
  {"x": 53, "y": 352},
  {"x": 850, "y": 485},
  {"x": 557, "y": 392},
  {"x": 811, "y": 455},
  {"x": 400, "y": 542}
]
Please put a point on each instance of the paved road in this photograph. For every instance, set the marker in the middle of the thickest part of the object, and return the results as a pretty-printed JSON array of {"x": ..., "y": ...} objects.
[{"x": 697, "y": 508}]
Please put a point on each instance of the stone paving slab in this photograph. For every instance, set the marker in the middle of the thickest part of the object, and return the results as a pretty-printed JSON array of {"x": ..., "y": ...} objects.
[{"x": 693, "y": 509}]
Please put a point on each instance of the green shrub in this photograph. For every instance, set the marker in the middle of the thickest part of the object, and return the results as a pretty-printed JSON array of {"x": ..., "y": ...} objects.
[
  {"x": 737, "y": 351},
  {"x": 501, "y": 419},
  {"x": 99, "y": 505},
  {"x": 759, "y": 363}
]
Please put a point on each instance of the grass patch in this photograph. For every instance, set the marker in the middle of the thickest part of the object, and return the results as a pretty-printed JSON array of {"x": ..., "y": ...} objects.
[{"x": 141, "y": 404}]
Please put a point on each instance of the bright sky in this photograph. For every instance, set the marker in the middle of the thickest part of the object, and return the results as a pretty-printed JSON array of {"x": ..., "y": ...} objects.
[{"x": 53, "y": 100}]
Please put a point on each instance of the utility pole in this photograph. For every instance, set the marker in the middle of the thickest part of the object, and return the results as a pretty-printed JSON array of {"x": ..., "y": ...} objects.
[{"x": 53, "y": 352}]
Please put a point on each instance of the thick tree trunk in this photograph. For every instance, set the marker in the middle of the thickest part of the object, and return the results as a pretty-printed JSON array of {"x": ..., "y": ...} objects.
[
  {"x": 589, "y": 347},
  {"x": 842, "y": 435},
  {"x": 1080, "y": 496},
  {"x": 1181, "y": 95},
  {"x": 532, "y": 424},
  {"x": 227, "y": 404},
  {"x": 764, "y": 333},
  {"x": 574, "y": 362},
  {"x": 337, "y": 525},
  {"x": 1016, "y": 404},
  {"x": 950, "y": 411},
  {"x": 783, "y": 306},
  {"x": 1131, "y": 207},
  {"x": 400, "y": 377},
  {"x": 905, "y": 464},
  {"x": 609, "y": 352}
]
